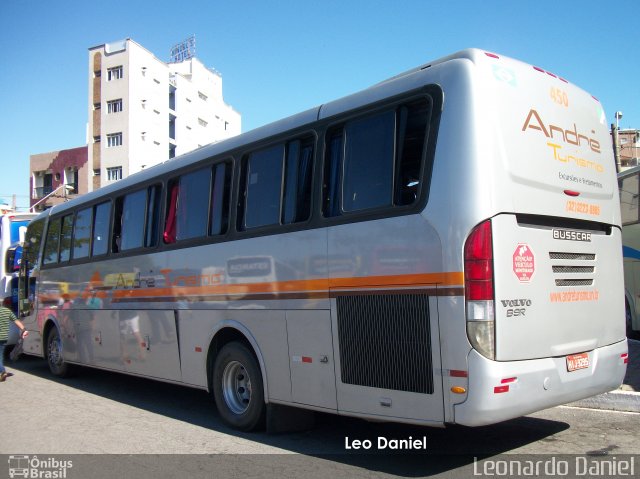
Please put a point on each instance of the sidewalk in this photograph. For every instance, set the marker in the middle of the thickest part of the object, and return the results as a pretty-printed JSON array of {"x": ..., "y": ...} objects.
[{"x": 627, "y": 396}]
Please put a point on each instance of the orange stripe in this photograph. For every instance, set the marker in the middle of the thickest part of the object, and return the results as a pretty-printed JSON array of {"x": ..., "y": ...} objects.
[
  {"x": 449, "y": 279},
  {"x": 309, "y": 285}
]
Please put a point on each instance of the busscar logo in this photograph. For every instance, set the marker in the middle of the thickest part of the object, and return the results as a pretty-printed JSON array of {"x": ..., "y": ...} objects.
[{"x": 571, "y": 235}]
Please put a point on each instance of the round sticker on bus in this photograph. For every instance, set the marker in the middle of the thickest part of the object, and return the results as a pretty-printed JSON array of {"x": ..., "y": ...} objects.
[{"x": 523, "y": 263}]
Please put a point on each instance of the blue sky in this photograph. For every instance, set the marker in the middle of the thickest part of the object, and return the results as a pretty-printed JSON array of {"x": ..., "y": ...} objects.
[{"x": 281, "y": 57}]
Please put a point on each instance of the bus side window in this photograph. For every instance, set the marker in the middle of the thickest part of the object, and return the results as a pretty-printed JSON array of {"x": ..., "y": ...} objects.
[
  {"x": 101, "y": 217},
  {"x": 169, "y": 234},
  {"x": 220, "y": 199},
  {"x": 368, "y": 162},
  {"x": 332, "y": 173},
  {"x": 52, "y": 242},
  {"x": 188, "y": 206},
  {"x": 133, "y": 220},
  {"x": 82, "y": 233},
  {"x": 116, "y": 239},
  {"x": 153, "y": 215},
  {"x": 411, "y": 134},
  {"x": 193, "y": 204},
  {"x": 263, "y": 184},
  {"x": 296, "y": 198},
  {"x": 65, "y": 238},
  {"x": 376, "y": 161}
]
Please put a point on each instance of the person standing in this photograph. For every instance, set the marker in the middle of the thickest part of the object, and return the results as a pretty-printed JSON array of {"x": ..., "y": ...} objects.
[{"x": 6, "y": 317}]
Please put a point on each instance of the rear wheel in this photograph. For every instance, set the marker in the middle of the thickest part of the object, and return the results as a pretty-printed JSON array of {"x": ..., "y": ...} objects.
[
  {"x": 237, "y": 387},
  {"x": 55, "y": 358}
]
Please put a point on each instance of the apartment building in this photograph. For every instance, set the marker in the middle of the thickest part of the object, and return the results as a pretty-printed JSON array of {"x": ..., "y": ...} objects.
[
  {"x": 629, "y": 148},
  {"x": 141, "y": 112}
]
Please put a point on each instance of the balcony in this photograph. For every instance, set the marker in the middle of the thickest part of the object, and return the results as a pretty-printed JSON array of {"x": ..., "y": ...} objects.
[{"x": 41, "y": 192}]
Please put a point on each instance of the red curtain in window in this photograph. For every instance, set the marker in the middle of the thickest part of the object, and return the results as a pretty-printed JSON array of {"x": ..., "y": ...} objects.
[{"x": 170, "y": 224}]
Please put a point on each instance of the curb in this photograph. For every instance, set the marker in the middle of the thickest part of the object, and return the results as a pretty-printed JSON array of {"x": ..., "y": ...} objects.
[{"x": 625, "y": 401}]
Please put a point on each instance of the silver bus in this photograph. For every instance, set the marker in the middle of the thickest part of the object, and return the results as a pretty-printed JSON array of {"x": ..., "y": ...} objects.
[{"x": 443, "y": 247}]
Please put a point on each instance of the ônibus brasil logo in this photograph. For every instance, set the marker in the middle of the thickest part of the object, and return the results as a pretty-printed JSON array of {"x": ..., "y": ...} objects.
[{"x": 34, "y": 467}]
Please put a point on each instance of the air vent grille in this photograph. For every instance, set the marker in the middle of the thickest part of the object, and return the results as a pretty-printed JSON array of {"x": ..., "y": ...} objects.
[{"x": 385, "y": 341}]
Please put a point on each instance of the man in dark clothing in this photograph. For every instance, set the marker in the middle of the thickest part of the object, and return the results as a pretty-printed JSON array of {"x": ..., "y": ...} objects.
[{"x": 6, "y": 317}]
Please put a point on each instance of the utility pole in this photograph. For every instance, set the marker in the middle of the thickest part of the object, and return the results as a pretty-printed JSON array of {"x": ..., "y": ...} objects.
[{"x": 616, "y": 141}]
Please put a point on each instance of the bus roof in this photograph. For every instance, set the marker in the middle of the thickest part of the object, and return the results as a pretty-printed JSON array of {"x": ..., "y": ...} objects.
[{"x": 403, "y": 82}]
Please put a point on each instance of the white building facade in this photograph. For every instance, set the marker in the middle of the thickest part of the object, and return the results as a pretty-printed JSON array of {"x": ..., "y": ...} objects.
[{"x": 143, "y": 111}]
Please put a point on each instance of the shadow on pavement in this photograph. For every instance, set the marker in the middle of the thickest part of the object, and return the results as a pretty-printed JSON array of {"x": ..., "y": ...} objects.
[{"x": 447, "y": 448}]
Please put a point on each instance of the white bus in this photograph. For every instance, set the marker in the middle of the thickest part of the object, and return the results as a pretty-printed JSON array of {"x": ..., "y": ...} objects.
[
  {"x": 450, "y": 240},
  {"x": 629, "y": 182}
]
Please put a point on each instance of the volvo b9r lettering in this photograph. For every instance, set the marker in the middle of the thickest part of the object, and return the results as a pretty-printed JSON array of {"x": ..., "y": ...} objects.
[{"x": 441, "y": 248}]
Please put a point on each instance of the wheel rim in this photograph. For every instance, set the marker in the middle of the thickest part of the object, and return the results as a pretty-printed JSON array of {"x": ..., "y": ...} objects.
[
  {"x": 55, "y": 351},
  {"x": 236, "y": 387}
]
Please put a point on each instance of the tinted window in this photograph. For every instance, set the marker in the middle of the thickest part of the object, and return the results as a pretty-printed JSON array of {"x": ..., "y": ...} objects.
[
  {"x": 376, "y": 161},
  {"x": 132, "y": 221},
  {"x": 82, "y": 233},
  {"x": 412, "y": 122},
  {"x": 192, "y": 208},
  {"x": 100, "y": 242},
  {"x": 220, "y": 198},
  {"x": 65, "y": 238},
  {"x": 368, "y": 162},
  {"x": 263, "y": 187},
  {"x": 153, "y": 215},
  {"x": 32, "y": 242},
  {"x": 297, "y": 186},
  {"x": 135, "y": 221},
  {"x": 52, "y": 242},
  {"x": 332, "y": 174}
]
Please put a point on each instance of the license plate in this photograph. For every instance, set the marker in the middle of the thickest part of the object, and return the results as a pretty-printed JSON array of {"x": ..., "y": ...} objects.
[{"x": 577, "y": 361}]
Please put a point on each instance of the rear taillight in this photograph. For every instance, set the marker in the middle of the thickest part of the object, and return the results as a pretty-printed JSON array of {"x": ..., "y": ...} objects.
[{"x": 478, "y": 287}]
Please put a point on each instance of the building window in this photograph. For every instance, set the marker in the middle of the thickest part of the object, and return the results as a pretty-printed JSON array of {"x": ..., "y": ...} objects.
[
  {"x": 115, "y": 73},
  {"x": 114, "y": 106},
  {"x": 114, "y": 139},
  {"x": 114, "y": 174},
  {"x": 202, "y": 96},
  {"x": 201, "y": 122}
]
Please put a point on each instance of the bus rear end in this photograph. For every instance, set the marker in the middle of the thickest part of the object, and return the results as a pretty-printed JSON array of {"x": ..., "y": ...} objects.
[{"x": 544, "y": 295}]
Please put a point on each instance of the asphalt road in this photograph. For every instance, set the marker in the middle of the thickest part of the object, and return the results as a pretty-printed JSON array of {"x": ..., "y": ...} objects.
[{"x": 98, "y": 412}]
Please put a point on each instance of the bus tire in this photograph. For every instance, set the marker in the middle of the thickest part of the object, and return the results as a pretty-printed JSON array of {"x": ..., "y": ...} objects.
[
  {"x": 54, "y": 355},
  {"x": 238, "y": 388}
]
